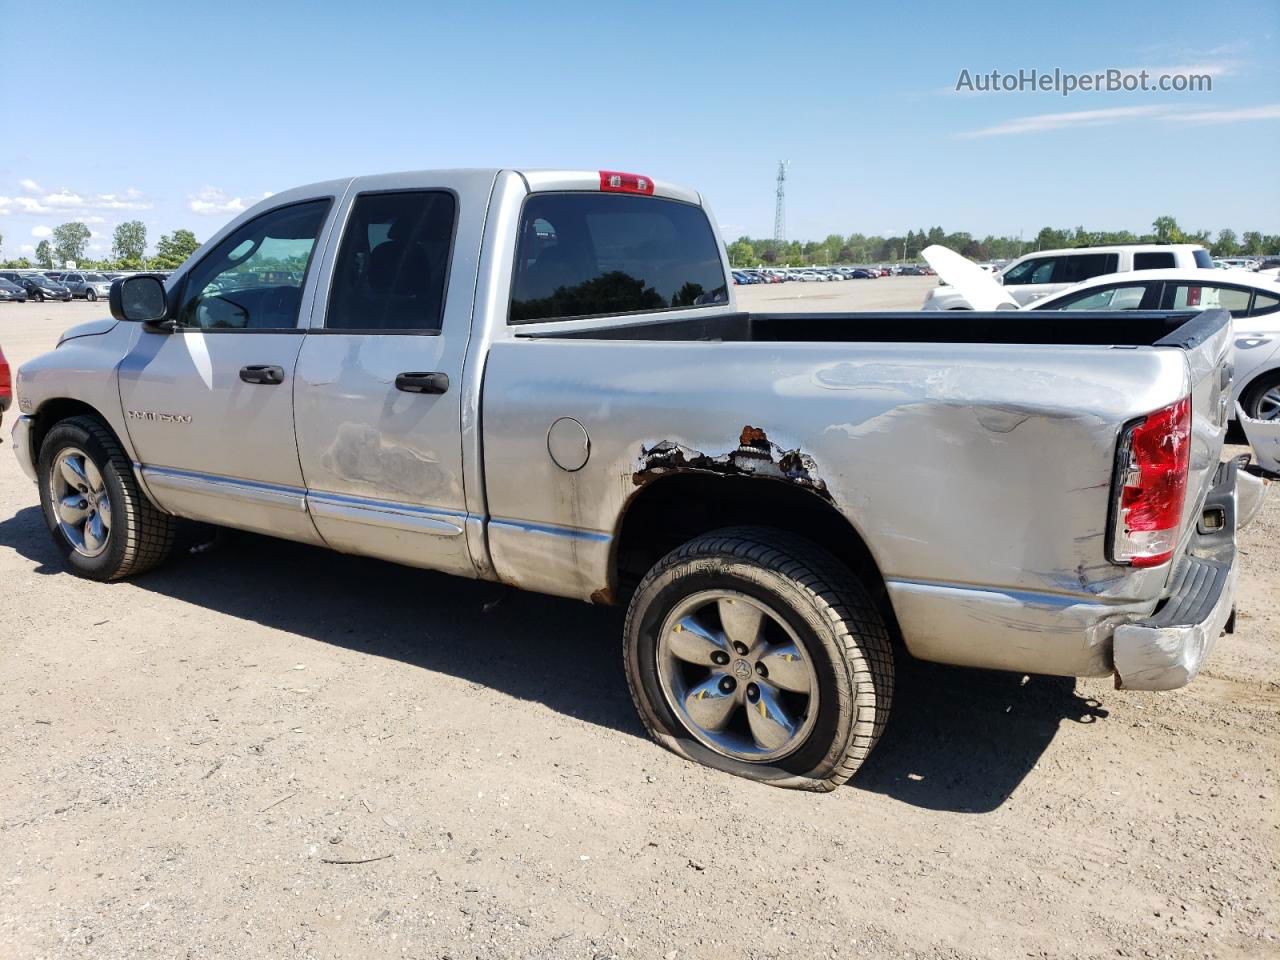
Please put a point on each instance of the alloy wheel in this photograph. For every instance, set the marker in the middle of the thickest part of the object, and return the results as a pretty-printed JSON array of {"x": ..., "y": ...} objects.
[
  {"x": 737, "y": 676},
  {"x": 79, "y": 497}
]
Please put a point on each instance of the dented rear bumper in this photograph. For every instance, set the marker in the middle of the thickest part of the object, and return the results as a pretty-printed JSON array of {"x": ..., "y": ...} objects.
[{"x": 1166, "y": 650}]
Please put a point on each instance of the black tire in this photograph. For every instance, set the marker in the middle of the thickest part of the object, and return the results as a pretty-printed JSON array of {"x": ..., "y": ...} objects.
[
  {"x": 140, "y": 536},
  {"x": 825, "y": 606},
  {"x": 91, "y": 295},
  {"x": 1251, "y": 399},
  {"x": 39, "y": 297}
]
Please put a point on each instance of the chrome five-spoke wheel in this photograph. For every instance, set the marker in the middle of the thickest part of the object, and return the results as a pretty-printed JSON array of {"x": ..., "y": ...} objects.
[
  {"x": 80, "y": 499},
  {"x": 737, "y": 676}
]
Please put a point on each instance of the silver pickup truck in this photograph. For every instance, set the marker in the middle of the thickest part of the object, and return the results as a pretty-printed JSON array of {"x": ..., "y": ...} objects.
[{"x": 542, "y": 379}]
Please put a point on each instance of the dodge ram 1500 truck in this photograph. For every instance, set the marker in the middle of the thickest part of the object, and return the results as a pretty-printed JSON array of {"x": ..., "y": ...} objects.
[{"x": 542, "y": 378}]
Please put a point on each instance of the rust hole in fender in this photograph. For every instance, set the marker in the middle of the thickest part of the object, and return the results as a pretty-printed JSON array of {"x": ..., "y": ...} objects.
[{"x": 755, "y": 456}]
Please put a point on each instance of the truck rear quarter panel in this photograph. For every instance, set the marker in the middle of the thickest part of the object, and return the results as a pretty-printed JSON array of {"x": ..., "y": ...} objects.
[{"x": 970, "y": 471}]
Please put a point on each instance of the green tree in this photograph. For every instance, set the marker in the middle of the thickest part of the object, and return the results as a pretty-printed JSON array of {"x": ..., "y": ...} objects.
[
  {"x": 173, "y": 249},
  {"x": 742, "y": 253},
  {"x": 70, "y": 241},
  {"x": 1251, "y": 241},
  {"x": 1166, "y": 230},
  {"x": 44, "y": 254},
  {"x": 129, "y": 243},
  {"x": 1226, "y": 244}
]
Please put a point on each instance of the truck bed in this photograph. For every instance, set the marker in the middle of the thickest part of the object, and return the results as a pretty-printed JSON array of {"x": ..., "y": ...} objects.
[{"x": 1121, "y": 328}]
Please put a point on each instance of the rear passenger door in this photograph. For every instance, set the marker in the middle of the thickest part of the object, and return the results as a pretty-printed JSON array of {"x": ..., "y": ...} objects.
[{"x": 379, "y": 377}]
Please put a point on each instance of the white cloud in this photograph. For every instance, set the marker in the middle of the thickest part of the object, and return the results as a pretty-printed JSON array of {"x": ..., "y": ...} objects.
[
  {"x": 1268, "y": 111},
  {"x": 41, "y": 231},
  {"x": 1072, "y": 120},
  {"x": 1041, "y": 122},
  {"x": 211, "y": 200},
  {"x": 67, "y": 201}
]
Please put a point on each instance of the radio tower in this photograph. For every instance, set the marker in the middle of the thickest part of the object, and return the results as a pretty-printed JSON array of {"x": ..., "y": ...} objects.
[{"x": 780, "y": 209}]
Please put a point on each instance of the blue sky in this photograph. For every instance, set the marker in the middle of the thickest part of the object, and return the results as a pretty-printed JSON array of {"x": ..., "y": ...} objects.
[{"x": 182, "y": 114}]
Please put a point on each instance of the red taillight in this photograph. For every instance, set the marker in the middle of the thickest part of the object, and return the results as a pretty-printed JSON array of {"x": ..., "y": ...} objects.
[
  {"x": 614, "y": 182},
  {"x": 1154, "y": 457},
  {"x": 6, "y": 382},
  {"x": 1193, "y": 296}
]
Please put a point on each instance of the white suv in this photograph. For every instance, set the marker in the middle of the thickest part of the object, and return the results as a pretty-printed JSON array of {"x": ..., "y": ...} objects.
[{"x": 1039, "y": 274}]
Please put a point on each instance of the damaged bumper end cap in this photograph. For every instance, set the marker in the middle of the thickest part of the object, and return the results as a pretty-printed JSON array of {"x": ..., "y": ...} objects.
[{"x": 1153, "y": 654}]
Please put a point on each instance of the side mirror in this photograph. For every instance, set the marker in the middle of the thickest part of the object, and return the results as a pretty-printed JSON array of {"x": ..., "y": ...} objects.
[{"x": 138, "y": 299}]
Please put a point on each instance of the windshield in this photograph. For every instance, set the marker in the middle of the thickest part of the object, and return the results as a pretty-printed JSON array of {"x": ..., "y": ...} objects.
[{"x": 94, "y": 278}]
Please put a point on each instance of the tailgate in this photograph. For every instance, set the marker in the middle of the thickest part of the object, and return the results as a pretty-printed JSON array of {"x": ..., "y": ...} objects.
[{"x": 1206, "y": 343}]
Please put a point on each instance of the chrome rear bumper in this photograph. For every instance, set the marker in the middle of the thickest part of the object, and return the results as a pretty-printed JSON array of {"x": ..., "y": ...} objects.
[{"x": 1166, "y": 650}]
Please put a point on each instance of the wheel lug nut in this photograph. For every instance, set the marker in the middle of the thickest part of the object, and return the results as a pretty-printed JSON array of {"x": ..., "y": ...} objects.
[
  {"x": 762, "y": 669},
  {"x": 727, "y": 685},
  {"x": 720, "y": 657},
  {"x": 741, "y": 648},
  {"x": 753, "y": 692}
]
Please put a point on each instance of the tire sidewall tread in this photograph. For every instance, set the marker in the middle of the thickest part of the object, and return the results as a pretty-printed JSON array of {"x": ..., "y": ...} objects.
[
  {"x": 141, "y": 535},
  {"x": 811, "y": 589}
]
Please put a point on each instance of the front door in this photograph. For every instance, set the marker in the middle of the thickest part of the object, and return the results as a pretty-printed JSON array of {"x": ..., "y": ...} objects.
[
  {"x": 379, "y": 383},
  {"x": 209, "y": 407}
]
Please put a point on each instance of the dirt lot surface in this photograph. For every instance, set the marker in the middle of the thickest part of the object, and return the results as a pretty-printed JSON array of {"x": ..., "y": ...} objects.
[{"x": 197, "y": 763}]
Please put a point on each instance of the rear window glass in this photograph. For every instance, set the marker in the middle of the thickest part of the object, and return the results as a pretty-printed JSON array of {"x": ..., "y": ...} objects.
[
  {"x": 1152, "y": 261},
  {"x": 1264, "y": 303},
  {"x": 1203, "y": 260},
  {"x": 588, "y": 254}
]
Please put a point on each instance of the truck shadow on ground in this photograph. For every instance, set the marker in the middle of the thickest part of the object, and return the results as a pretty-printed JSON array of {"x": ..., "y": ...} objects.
[{"x": 959, "y": 740}]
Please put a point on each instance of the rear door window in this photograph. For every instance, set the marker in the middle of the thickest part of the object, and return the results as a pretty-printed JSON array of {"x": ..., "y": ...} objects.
[
  {"x": 593, "y": 254},
  {"x": 1085, "y": 266},
  {"x": 393, "y": 265},
  {"x": 1152, "y": 261},
  {"x": 1035, "y": 270}
]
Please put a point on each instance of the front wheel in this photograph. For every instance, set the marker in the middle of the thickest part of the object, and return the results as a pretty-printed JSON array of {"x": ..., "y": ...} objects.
[
  {"x": 91, "y": 295},
  {"x": 100, "y": 520},
  {"x": 758, "y": 653},
  {"x": 39, "y": 297}
]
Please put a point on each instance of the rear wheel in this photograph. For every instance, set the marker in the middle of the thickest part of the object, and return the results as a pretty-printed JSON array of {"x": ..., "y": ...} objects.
[
  {"x": 99, "y": 518},
  {"x": 1262, "y": 400},
  {"x": 758, "y": 653}
]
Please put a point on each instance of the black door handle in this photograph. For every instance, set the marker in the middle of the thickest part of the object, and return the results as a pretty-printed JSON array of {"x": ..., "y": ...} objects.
[
  {"x": 422, "y": 382},
  {"x": 262, "y": 373}
]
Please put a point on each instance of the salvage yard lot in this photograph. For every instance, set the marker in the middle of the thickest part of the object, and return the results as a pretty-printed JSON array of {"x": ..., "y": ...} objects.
[{"x": 197, "y": 762}]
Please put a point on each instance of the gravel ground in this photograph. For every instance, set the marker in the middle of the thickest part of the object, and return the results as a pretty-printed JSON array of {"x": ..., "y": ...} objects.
[{"x": 197, "y": 763}]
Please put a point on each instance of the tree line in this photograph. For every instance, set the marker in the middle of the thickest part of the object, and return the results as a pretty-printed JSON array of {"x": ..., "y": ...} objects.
[
  {"x": 70, "y": 241},
  {"x": 860, "y": 248}
]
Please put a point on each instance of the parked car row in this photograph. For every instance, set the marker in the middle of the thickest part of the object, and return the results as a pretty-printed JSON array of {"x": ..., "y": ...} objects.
[
  {"x": 22, "y": 285},
  {"x": 744, "y": 277}
]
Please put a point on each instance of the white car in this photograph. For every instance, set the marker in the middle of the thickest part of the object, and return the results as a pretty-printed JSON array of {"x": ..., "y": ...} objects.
[
  {"x": 1047, "y": 272},
  {"x": 1253, "y": 300},
  {"x": 807, "y": 276}
]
